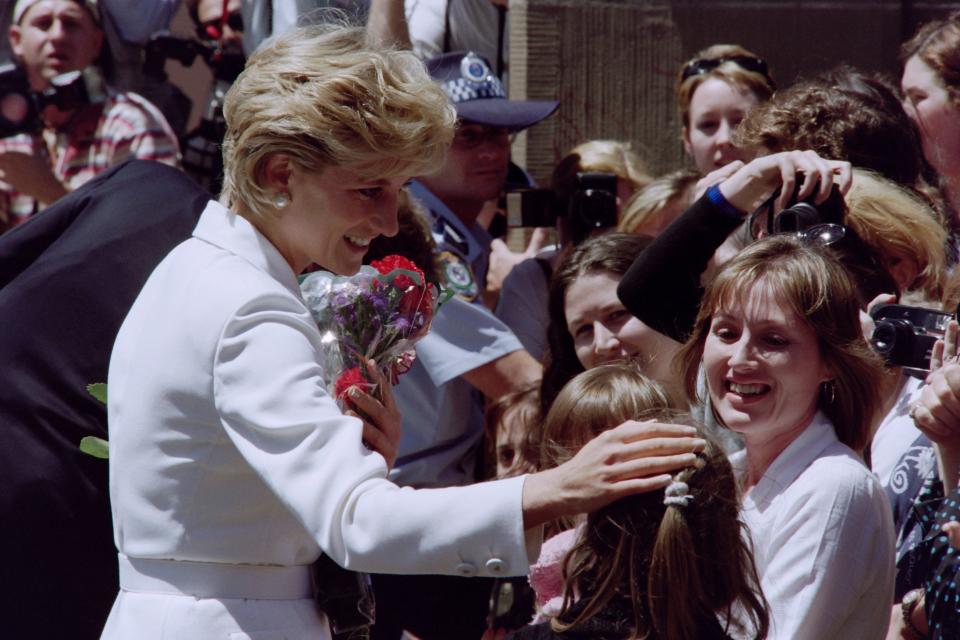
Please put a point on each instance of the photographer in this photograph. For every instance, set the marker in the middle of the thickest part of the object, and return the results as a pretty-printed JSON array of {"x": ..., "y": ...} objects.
[
  {"x": 78, "y": 140},
  {"x": 589, "y": 185}
]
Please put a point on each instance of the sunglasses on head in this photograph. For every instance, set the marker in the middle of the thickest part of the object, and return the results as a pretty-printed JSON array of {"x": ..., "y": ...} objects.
[
  {"x": 706, "y": 65},
  {"x": 213, "y": 30}
]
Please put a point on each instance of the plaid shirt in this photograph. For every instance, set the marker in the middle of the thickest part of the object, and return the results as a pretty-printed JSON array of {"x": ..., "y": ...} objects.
[{"x": 99, "y": 136}]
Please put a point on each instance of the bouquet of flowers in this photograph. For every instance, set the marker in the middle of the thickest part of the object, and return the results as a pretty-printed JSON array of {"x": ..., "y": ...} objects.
[{"x": 377, "y": 314}]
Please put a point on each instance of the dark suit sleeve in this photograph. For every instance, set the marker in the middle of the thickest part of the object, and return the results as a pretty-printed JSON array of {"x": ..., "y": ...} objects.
[
  {"x": 662, "y": 287},
  {"x": 68, "y": 276}
]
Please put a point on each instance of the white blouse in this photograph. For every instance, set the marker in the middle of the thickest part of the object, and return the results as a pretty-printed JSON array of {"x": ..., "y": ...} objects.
[{"x": 823, "y": 540}]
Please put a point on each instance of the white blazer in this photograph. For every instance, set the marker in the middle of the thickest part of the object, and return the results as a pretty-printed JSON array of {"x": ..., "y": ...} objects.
[{"x": 226, "y": 449}]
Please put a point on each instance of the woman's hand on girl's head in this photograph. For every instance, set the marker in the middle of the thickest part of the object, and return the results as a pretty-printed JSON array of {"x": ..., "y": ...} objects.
[
  {"x": 634, "y": 457},
  {"x": 749, "y": 186},
  {"x": 381, "y": 418}
]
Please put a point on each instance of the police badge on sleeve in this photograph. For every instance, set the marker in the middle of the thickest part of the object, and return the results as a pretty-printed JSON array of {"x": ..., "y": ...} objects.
[{"x": 459, "y": 276}]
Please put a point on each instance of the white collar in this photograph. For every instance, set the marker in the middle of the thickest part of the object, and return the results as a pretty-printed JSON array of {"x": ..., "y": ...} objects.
[
  {"x": 786, "y": 467},
  {"x": 223, "y": 228}
]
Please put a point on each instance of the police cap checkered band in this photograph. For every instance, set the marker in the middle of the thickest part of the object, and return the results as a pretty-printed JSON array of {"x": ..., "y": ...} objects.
[
  {"x": 461, "y": 89},
  {"x": 479, "y": 96}
]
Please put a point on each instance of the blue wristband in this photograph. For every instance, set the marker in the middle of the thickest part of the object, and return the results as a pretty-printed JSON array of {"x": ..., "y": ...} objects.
[{"x": 716, "y": 197}]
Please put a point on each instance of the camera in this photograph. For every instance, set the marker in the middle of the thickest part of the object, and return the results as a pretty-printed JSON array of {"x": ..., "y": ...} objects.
[
  {"x": 163, "y": 46},
  {"x": 799, "y": 215},
  {"x": 905, "y": 335},
  {"x": 20, "y": 107},
  {"x": 202, "y": 159},
  {"x": 591, "y": 205}
]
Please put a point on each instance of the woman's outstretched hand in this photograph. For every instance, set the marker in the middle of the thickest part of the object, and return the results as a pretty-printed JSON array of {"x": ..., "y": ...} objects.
[
  {"x": 632, "y": 458},
  {"x": 381, "y": 418}
]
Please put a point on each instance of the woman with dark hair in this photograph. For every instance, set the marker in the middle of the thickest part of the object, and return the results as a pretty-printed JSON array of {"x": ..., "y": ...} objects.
[
  {"x": 588, "y": 323},
  {"x": 787, "y": 367}
]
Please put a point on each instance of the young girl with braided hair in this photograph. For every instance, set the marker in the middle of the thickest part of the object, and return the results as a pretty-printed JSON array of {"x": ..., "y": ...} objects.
[{"x": 671, "y": 564}]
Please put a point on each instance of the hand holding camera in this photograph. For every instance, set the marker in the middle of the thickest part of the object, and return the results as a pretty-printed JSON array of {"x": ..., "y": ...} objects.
[
  {"x": 800, "y": 176},
  {"x": 913, "y": 337}
]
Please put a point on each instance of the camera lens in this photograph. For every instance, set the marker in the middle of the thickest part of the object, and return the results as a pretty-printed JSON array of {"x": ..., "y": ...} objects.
[
  {"x": 891, "y": 339},
  {"x": 797, "y": 218}
]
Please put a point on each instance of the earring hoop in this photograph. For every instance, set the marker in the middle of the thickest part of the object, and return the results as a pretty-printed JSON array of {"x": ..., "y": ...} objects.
[{"x": 281, "y": 200}]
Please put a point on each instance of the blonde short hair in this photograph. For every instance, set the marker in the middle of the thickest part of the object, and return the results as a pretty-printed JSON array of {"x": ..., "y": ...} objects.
[
  {"x": 324, "y": 98},
  {"x": 898, "y": 224}
]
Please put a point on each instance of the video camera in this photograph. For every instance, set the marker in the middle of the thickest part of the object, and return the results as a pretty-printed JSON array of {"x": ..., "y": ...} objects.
[
  {"x": 591, "y": 205},
  {"x": 202, "y": 160},
  {"x": 163, "y": 46},
  {"x": 799, "y": 215},
  {"x": 905, "y": 335},
  {"x": 20, "y": 107}
]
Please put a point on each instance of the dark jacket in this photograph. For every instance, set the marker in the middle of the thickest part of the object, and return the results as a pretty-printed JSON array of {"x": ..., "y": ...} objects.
[{"x": 67, "y": 279}]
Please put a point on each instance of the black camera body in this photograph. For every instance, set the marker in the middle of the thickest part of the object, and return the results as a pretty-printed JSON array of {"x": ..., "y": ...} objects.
[
  {"x": 800, "y": 215},
  {"x": 20, "y": 106},
  {"x": 592, "y": 205},
  {"x": 905, "y": 335},
  {"x": 163, "y": 46}
]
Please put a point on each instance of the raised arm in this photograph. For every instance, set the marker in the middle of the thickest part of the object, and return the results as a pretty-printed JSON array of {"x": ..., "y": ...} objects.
[{"x": 663, "y": 287}]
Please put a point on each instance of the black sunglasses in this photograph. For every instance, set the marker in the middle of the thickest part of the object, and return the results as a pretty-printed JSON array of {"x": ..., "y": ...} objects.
[
  {"x": 211, "y": 29},
  {"x": 706, "y": 65}
]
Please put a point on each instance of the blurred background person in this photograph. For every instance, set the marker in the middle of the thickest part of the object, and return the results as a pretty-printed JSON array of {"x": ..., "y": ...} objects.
[
  {"x": 581, "y": 206},
  {"x": 434, "y": 27},
  {"x": 652, "y": 208},
  {"x": 715, "y": 90},
  {"x": 931, "y": 96},
  {"x": 76, "y": 141}
]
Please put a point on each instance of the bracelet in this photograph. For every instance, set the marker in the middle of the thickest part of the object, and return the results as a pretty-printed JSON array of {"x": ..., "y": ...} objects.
[
  {"x": 716, "y": 197},
  {"x": 910, "y": 601}
]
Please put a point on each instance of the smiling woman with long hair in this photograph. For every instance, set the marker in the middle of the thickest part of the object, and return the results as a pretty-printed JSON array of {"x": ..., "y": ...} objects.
[{"x": 787, "y": 367}]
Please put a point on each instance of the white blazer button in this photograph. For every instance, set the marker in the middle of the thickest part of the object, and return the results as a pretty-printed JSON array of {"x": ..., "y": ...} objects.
[
  {"x": 466, "y": 569},
  {"x": 496, "y": 566}
]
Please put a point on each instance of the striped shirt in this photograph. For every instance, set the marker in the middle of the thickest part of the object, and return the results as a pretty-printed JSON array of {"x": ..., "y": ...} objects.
[{"x": 99, "y": 136}]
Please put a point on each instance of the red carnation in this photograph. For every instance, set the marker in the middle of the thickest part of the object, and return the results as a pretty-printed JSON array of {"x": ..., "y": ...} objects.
[
  {"x": 393, "y": 262},
  {"x": 417, "y": 299},
  {"x": 352, "y": 377}
]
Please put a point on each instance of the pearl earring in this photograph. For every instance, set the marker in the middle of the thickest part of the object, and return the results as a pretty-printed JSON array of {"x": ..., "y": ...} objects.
[{"x": 281, "y": 200}]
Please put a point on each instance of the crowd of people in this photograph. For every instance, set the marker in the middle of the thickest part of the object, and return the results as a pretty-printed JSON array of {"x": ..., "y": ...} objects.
[{"x": 719, "y": 403}]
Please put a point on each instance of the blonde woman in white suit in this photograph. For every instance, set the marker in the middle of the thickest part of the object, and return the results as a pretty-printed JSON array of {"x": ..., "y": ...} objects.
[{"x": 232, "y": 469}]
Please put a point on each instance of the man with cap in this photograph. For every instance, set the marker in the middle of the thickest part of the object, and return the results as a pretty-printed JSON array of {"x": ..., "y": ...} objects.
[
  {"x": 71, "y": 142},
  {"x": 468, "y": 353},
  {"x": 476, "y": 167}
]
